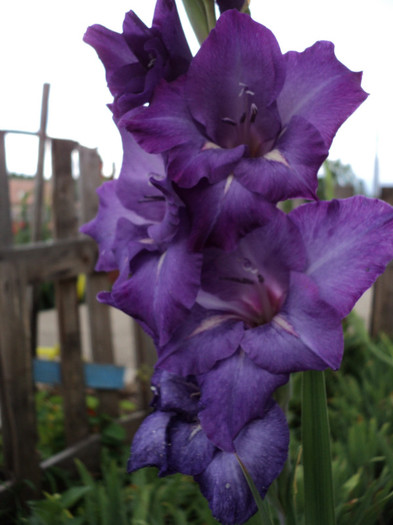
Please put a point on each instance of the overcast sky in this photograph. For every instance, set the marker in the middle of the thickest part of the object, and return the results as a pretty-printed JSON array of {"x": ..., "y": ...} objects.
[{"x": 41, "y": 41}]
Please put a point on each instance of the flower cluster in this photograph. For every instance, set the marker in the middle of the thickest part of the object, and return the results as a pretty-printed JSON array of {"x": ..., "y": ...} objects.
[{"x": 235, "y": 293}]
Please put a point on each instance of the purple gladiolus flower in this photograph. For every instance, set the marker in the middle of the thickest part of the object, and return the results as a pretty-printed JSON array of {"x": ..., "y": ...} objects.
[
  {"x": 136, "y": 60},
  {"x": 173, "y": 439},
  {"x": 235, "y": 293},
  {"x": 244, "y": 108},
  {"x": 281, "y": 294},
  {"x": 142, "y": 231}
]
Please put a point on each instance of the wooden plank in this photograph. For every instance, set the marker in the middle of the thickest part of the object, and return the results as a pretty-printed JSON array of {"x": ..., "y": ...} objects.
[
  {"x": 36, "y": 224},
  {"x": 64, "y": 191},
  {"x": 19, "y": 420},
  {"x": 65, "y": 227},
  {"x": 100, "y": 331},
  {"x": 90, "y": 179},
  {"x": 104, "y": 377},
  {"x": 382, "y": 307},
  {"x": 48, "y": 261},
  {"x": 5, "y": 212},
  {"x": 36, "y": 220}
]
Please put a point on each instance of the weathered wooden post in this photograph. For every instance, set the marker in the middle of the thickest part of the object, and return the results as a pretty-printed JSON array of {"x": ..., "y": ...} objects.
[
  {"x": 382, "y": 307},
  {"x": 36, "y": 219},
  {"x": 66, "y": 227},
  {"x": 16, "y": 377},
  {"x": 98, "y": 314}
]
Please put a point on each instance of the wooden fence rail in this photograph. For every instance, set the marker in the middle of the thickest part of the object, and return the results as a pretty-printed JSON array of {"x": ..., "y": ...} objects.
[{"x": 61, "y": 261}]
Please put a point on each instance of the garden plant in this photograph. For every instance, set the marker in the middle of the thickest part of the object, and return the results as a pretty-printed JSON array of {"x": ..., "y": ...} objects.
[{"x": 238, "y": 295}]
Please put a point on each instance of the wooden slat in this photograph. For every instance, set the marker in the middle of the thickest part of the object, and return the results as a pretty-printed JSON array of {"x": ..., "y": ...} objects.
[
  {"x": 36, "y": 220},
  {"x": 53, "y": 260},
  {"x": 36, "y": 224},
  {"x": 382, "y": 308},
  {"x": 65, "y": 227},
  {"x": 5, "y": 212},
  {"x": 98, "y": 314},
  {"x": 106, "y": 377},
  {"x": 18, "y": 405}
]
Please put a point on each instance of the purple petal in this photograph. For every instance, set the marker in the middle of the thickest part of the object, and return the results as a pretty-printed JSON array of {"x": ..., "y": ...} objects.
[
  {"x": 223, "y": 212},
  {"x": 187, "y": 165},
  {"x": 306, "y": 334},
  {"x": 266, "y": 254},
  {"x": 103, "y": 227},
  {"x": 234, "y": 392},
  {"x": 134, "y": 188},
  {"x": 348, "y": 243},
  {"x": 190, "y": 451},
  {"x": 149, "y": 447},
  {"x": 166, "y": 122},
  {"x": 128, "y": 243},
  {"x": 136, "y": 60},
  {"x": 239, "y": 53},
  {"x": 161, "y": 290},
  {"x": 224, "y": 486},
  {"x": 203, "y": 339},
  {"x": 111, "y": 47},
  {"x": 175, "y": 393},
  {"x": 289, "y": 170},
  {"x": 320, "y": 89},
  {"x": 167, "y": 125},
  {"x": 262, "y": 446},
  {"x": 174, "y": 217},
  {"x": 166, "y": 20}
]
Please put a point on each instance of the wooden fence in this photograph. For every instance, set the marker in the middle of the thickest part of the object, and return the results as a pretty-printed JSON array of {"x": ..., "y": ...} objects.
[{"x": 22, "y": 267}]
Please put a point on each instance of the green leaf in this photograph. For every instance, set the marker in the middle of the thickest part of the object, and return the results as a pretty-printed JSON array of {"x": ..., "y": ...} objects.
[
  {"x": 71, "y": 496},
  {"x": 318, "y": 484},
  {"x": 202, "y": 17},
  {"x": 264, "y": 513}
]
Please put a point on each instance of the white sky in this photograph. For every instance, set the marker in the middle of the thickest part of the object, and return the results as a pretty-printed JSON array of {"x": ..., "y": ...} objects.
[{"x": 41, "y": 41}]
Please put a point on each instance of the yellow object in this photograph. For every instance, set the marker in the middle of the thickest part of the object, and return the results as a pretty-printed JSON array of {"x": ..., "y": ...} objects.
[
  {"x": 81, "y": 286},
  {"x": 48, "y": 352}
]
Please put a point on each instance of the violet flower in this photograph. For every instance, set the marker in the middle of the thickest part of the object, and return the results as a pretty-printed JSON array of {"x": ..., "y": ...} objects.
[
  {"x": 244, "y": 108},
  {"x": 281, "y": 294},
  {"x": 173, "y": 439},
  {"x": 142, "y": 231},
  {"x": 136, "y": 60}
]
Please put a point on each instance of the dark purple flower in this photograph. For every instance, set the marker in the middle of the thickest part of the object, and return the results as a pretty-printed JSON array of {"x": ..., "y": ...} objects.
[
  {"x": 173, "y": 439},
  {"x": 244, "y": 108},
  {"x": 136, "y": 60},
  {"x": 142, "y": 231},
  {"x": 223, "y": 212},
  {"x": 281, "y": 294}
]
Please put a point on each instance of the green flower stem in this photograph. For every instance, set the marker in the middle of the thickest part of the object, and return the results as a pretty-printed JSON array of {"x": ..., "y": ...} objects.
[
  {"x": 318, "y": 483},
  {"x": 202, "y": 17},
  {"x": 210, "y": 13}
]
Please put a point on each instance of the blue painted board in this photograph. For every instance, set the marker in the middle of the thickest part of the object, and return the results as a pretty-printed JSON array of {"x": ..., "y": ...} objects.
[{"x": 105, "y": 377}]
